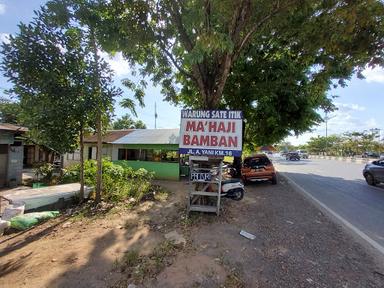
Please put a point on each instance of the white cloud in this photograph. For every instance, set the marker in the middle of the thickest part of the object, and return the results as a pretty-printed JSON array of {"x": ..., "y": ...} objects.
[
  {"x": 117, "y": 63},
  {"x": 349, "y": 107},
  {"x": 343, "y": 121},
  {"x": 347, "y": 118},
  {"x": 2, "y": 8},
  {"x": 4, "y": 37},
  {"x": 374, "y": 75},
  {"x": 301, "y": 139}
]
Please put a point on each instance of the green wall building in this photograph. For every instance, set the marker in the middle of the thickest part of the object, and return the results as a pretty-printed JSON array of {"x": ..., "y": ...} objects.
[{"x": 152, "y": 149}]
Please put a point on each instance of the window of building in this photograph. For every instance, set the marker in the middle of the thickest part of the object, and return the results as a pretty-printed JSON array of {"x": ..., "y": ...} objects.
[
  {"x": 74, "y": 156},
  {"x": 148, "y": 155}
]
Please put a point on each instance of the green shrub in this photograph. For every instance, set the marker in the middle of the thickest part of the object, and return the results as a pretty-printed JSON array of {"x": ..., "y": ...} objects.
[
  {"x": 71, "y": 174},
  {"x": 44, "y": 172},
  {"x": 119, "y": 183}
]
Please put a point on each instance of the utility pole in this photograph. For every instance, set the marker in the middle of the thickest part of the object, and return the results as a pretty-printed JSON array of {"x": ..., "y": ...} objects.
[
  {"x": 326, "y": 118},
  {"x": 155, "y": 116},
  {"x": 326, "y": 132}
]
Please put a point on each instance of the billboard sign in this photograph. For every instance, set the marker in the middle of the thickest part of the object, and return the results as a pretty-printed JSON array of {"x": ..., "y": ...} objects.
[{"x": 211, "y": 132}]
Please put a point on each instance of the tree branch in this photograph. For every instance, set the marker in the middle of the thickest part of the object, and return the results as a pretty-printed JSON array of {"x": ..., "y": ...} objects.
[
  {"x": 187, "y": 42},
  {"x": 170, "y": 56},
  {"x": 250, "y": 33},
  {"x": 197, "y": 69}
]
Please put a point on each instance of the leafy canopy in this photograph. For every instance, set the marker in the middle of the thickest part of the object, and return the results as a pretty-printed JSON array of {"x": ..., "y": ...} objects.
[
  {"x": 348, "y": 143},
  {"x": 275, "y": 60},
  {"x": 10, "y": 112},
  {"x": 126, "y": 122},
  {"x": 52, "y": 67}
]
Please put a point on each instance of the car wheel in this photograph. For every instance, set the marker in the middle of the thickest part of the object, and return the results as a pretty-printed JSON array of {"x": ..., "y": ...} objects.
[
  {"x": 274, "y": 180},
  {"x": 370, "y": 180}
]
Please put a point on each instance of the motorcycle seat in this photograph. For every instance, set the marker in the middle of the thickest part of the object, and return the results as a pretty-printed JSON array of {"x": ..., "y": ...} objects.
[{"x": 230, "y": 181}]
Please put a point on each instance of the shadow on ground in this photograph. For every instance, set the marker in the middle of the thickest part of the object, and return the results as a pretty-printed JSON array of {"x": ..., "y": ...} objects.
[{"x": 295, "y": 246}]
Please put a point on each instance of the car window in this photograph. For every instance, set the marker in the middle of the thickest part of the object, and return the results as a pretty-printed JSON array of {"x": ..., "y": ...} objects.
[
  {"x": 380, "y": 163},
  {"x": 256, "y": 161}
]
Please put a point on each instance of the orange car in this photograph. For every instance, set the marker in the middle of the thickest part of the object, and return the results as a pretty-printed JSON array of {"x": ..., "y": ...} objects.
[{"x": 258, "y": 168}]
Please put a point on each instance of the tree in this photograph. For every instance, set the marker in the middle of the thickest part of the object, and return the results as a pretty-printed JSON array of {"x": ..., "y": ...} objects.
[
  {"x": 85, "y": 14},
  {"x": 39, "y": 68},
  {"x": 126, "y": 122},
  {"x": 285, "y": 146},
  {"x": 346, "y": 144},
  {"x": 63, "y": 85},
  {"x": 208, "y": 48},
  {"x": 10, "y": 112},
  {"x": 317, "y": 144},
  {"x": 277, "y": 95}
]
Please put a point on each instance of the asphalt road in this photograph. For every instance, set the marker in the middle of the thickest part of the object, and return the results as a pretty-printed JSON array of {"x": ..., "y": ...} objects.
[{"x": 342, "y": 188}]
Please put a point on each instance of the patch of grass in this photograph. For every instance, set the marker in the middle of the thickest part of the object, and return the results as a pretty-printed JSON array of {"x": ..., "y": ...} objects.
[
  {"x": 156, "y": 193},
  {"x": 156, "y": 261},
  {"x": 139, "y": 267},
  {"x": 128, "y": 261},
  {"x": 165, "y": 249},
  {"x": 82, "y": 214},
  {"x": 233, "y": 280},
  {"x": 191, "y": 219},
  {"x": 130, "y": 223},
  {"x": 87, "y": 211},
  {"x": 197, "y": 218},
  {"x": 161, "y": 195},
  {"x": 131, "y": 258}
]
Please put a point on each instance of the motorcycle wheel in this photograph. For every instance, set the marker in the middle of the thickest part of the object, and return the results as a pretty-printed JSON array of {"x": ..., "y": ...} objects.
[{"x": 237, "y": 194}]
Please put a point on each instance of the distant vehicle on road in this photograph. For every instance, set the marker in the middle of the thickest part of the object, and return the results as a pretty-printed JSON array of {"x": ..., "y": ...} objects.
[
  {"x": 258, "y": 168},
  {"x": 374, "y": 172},
  {"x": 303, "y": 154},
  {"x": 283, "y": 153},
  {"x": 292, "y": 156},
  {"x": 370, "y": 155}
]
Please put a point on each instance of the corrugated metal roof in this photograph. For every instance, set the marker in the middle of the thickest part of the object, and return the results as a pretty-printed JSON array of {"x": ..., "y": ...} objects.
[
  {"x": 150, "y": 136},
  {"x": 12, "y": 127},
  {"x": 109, "y": 136}
]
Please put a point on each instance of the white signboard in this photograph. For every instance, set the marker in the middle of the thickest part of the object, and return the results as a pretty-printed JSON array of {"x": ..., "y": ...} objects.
[{"x": 211, "y": 132}]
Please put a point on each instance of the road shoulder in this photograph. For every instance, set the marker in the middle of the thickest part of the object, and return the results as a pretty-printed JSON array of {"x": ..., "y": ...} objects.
[{"x": 375, "y": 249}]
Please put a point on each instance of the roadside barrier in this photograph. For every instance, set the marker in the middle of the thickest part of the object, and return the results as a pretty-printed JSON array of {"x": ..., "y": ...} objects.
[{"x": 345, "y": 159}]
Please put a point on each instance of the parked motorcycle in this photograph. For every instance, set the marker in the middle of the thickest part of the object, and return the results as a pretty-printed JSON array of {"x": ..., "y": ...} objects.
[
  {"x": 230, "y": 170},
  {"x": 233, "y": 189},
  {"x": 230, "y": 188}
]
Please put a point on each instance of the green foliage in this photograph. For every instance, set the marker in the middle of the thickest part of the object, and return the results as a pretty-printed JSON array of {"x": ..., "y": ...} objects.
[
  {"x": 347, "y": 144},
  {"x": 278, "y": 94},
  {"x": 285, "y": 146},
  {"x": 44, "y": 172},
  {"x": 119, "y": 183},
  {"x": 275, "y": 60},
  {"x": 60, "y": 84},
  {"x": 139, "y": 267},
  {"x": 42, "y": 81},
  {"x": 10, "y": 112},
  {"x": 126, "y": 122}
]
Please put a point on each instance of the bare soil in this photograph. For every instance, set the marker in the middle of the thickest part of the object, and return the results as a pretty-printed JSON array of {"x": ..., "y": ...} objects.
[{"x": 295, "y": 246}]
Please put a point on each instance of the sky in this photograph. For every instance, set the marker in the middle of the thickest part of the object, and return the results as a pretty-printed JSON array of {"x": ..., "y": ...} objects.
[{"x": 360, "y": 104}]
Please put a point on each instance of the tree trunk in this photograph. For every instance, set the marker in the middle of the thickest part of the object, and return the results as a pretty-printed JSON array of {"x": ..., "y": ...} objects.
[
  {"x": 98, "y": 114},
  {"x": 81, "y": 165},
  {"x": 99, "y": 163}
]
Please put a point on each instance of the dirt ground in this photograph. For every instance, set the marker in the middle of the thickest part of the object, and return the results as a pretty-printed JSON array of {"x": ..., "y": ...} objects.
[{"x": 295, "y": 246}]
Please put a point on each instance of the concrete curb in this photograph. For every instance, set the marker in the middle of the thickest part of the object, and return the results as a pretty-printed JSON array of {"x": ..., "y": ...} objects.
[
  {"x": 345, "y": 159},
  {"x": 350, "y": 228}
]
